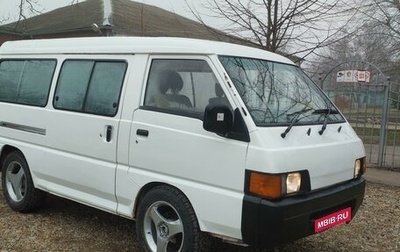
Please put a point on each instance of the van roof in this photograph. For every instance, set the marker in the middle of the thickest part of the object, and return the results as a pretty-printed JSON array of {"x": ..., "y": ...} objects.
[{"x": 133, "y": 45}]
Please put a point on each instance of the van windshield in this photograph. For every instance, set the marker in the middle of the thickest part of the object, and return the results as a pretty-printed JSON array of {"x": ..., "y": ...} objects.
[{"x": 279, "y": 94}]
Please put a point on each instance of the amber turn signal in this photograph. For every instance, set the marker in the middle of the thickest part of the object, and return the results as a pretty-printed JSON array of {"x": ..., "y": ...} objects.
[{"x": 266, "y": 185}]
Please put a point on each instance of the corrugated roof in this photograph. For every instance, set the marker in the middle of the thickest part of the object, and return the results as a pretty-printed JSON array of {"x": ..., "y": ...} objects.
[
  {"x": 132, "y": 18},
  {"x": 75, "y": 17}
]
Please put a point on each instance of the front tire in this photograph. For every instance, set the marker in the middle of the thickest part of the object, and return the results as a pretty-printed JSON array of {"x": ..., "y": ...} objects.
[
  {"x": 166, "y": 222},
  {"x": 18, "y": 188}
]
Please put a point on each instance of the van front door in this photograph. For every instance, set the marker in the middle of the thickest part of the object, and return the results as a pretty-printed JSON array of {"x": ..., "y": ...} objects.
[
  {"x": 82, "y": 131},
  {"x": 168, "y": 142}
]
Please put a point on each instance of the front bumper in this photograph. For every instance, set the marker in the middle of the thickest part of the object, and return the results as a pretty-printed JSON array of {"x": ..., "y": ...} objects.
[{"x": 268, "y": 223}]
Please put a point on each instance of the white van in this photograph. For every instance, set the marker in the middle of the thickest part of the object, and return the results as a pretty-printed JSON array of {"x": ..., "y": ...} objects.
[{"x": 190, "y": 138}]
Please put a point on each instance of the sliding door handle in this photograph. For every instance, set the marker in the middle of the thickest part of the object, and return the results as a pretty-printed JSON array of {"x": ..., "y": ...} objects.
[
  {"x": 142, "y": 132},
  {"x": 109, "y": 133}
]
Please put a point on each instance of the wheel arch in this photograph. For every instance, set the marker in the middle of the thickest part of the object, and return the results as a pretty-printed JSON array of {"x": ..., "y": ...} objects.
[
  {"x": 8, "y": 149},
  {"x": 30, "y": 198},
  {"x": 5, "y": 150},
  {"x": 146, "y": 188},
  {"x": 174, "y": 199}
]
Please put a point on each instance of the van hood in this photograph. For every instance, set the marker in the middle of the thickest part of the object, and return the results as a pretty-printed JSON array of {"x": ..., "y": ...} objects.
[{"x": 329, "y": 158}]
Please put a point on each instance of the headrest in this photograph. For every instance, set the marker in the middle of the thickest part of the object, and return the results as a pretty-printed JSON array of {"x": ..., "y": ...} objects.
[{"x": 170, "y": 80}]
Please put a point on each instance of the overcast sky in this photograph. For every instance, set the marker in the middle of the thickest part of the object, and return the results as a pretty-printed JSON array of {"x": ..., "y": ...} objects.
[{"x": 9, "y": 8}]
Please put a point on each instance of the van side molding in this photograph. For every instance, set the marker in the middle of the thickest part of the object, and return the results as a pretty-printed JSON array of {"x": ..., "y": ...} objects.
[{"x": 24, "y": 128}]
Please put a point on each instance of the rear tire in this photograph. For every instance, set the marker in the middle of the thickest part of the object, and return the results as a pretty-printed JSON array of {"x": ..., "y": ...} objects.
[
  {"x": 18, "y": 189},
  {"x": 166, "y": 222}
]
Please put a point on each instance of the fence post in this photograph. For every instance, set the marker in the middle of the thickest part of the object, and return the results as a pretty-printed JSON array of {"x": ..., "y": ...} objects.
[{"x": 384, "y": 124}]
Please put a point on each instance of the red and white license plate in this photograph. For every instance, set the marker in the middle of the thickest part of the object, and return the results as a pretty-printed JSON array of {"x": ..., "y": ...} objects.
[{"x": 332, "y": 220}]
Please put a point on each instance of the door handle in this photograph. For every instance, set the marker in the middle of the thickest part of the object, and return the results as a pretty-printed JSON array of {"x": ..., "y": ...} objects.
[
  {"x": 109, "y": 133},
  {"x": 142, "y": 132}
]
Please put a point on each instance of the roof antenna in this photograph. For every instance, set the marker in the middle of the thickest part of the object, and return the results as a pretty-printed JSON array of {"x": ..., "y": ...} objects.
[{"x": 96, "y": 29}]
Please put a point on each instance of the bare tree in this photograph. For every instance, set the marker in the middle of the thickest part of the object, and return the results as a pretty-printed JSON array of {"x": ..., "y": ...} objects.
[
  {"x": 367, "y": 45},
  {"x": 300, "y": 26},
  {"x": 3, "y": 19},
  {"x": 28, "y": 5},
  {"x": 32, "y": 8},
  {"x": 370, "y": 46},
  {"x": 384, "y": 14},
  {"x": 383, "y": 19},
  {"x": 377, "y": 39}
]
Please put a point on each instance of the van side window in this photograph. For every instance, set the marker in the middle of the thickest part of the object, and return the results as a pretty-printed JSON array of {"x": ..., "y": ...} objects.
[
  {"x": 90, "y": 86},
  {"x": 182, "y": 86},
  {"x": 26, "y": 81}
]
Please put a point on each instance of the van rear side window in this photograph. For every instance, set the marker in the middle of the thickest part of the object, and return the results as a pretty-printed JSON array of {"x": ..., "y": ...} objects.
[
  {"x": 90, "y": 86},
  {"x": 26, "y": 81}
]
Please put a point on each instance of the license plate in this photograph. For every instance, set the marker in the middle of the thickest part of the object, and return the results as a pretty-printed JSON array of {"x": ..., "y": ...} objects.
[{"x": 332, "y": 220}]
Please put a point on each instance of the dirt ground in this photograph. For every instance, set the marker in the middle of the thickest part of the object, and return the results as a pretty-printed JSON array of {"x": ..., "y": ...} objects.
[{"x": 63, "y": 225}]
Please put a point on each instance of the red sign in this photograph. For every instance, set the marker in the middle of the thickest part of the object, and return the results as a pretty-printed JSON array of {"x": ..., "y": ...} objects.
[
  {"x": 332, "y": 220},
  {"x": 361, "y": 76}
]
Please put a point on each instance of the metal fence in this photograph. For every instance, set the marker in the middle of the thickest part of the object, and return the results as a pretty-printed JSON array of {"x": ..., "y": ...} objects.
[{"x": 373, "y": 109}]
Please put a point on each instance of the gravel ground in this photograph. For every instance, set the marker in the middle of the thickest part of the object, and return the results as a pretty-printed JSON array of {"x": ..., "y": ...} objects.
[{"x": 63, "y": 225}]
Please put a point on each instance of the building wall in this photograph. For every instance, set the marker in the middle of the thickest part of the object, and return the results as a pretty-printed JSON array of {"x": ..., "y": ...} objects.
[{"x": 6, "y": 37}]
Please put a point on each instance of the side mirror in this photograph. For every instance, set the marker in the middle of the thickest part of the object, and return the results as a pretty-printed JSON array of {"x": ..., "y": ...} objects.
[{"x": 218, "y": 119}]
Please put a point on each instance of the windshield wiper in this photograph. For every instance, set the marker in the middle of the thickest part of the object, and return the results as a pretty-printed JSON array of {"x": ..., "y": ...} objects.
[
  {"x": 326, "y": 112},
  {"x": 294, "y": 120}
]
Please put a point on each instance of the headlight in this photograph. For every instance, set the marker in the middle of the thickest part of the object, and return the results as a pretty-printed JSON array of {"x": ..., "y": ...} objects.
[
  {"x": 276, "y": 186},
  {"x": 359, "y": 167},
  {"x": 293, "y": 182}
]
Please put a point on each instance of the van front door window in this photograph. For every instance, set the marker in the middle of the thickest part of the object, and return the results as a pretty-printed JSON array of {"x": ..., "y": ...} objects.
[{"x": 182, "y": 86}]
